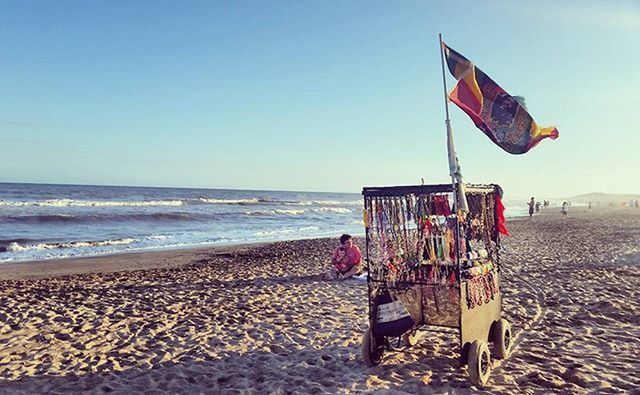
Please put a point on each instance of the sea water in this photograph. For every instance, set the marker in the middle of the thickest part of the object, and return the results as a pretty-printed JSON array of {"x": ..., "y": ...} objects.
[{"x": 41, "y": 221}]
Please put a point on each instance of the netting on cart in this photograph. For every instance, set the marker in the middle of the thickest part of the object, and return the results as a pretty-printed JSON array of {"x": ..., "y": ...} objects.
[{"x": 423, "y": 252}]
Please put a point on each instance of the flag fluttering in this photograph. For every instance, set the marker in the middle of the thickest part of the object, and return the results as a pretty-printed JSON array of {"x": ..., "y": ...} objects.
[{"x": 502, "y": 117}]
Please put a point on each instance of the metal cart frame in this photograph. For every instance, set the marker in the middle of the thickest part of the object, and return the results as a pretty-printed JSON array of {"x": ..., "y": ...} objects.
[{"x": 477, "y": 325}]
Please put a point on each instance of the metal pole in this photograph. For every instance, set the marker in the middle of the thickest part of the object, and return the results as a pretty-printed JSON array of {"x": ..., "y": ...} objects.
[
  {"x": 454, "y": 171},
  {"x": 450, "y": 148},
  {"x": 454, "y": 166},
  {"x": 444, "y": 79},
  {"x": 368, "y": 207}
]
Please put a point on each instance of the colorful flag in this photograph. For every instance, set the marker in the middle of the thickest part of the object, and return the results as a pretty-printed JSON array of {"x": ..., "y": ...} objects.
[{"x": 498, "y": 114}]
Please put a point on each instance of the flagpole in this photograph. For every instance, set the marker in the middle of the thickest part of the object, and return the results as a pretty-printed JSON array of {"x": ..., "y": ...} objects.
[
  {"x": 444, "y": 84},
  {"x": 455, "y": 172},
  {"x": 457, "y": 184}
]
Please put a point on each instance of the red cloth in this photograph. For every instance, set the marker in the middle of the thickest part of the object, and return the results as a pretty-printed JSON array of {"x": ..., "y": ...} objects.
[
  {"x": 452, "y": 278},
  {"x": 500, "y": 214},
  {"x": 441, "y": 204}
]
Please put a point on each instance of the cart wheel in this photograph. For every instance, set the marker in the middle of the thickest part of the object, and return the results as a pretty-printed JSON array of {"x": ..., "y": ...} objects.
[
  {"x": 479, "y": 363},
  {"x": 371, "y": 349},
  {"x": 502, "y": 339},
  {"x": 411, "y": 339}
]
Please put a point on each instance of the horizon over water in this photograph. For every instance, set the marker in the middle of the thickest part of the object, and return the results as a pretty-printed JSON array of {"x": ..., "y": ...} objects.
[{"x": 50, "y": 221}]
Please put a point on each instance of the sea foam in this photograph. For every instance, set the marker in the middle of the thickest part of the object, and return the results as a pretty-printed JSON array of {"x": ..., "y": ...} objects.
[
  {"x": 16, "y": 247},
  {"x": 90, "y": 203}
]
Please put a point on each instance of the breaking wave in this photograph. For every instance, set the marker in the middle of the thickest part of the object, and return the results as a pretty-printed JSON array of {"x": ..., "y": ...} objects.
[
  {"x": 91, "y": 203},
  {"x": 339, "y": 210},
  {"x": 174, "y": 202},
  {"x": 277, "y": 232},
  {"x": 275, "y": 212},
  {"x": 95, "y": 218},
  {"x": 17, "y": 247},
  {"x": 228, "y": 201}
]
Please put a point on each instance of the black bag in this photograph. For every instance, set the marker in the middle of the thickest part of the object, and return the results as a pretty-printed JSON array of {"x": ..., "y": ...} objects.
[{"x": 390, "y": 318}]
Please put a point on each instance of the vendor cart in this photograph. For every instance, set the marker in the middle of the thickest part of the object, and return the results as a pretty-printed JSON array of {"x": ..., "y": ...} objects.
[{"x": 442, "y": 266}]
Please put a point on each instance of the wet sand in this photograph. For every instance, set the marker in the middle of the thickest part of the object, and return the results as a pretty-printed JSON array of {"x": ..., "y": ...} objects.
[{"x": 256, "y": 319}]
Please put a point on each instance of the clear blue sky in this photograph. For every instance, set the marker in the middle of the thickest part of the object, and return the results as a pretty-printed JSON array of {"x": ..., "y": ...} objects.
[{"x": 312, "y": 95}]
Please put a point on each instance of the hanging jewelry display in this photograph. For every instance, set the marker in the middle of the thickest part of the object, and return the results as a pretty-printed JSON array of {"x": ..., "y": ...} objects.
[{"x": 412, "y": 239}]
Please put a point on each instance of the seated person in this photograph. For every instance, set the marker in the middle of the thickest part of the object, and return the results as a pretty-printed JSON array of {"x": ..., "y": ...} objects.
[{"x": 346, "y": 259}]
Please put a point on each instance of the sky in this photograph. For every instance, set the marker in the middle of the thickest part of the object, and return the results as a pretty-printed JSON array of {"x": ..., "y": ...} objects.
[{"x": 312, "y": 95}]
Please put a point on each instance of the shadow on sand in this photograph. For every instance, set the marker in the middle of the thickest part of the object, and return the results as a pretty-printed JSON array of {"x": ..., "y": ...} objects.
[{"x": 306, "y": 370}]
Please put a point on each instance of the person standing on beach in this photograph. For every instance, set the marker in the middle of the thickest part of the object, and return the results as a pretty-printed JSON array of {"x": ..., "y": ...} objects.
[
  {"x": 564, "y": 209},
  {"x": 346, "y": 259},
  {"x": 537, "y": 207},
  {"x": 532, "y": 204}
]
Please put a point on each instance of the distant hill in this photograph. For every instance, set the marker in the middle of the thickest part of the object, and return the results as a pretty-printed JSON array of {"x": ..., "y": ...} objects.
[{"x": 597, "y": 197}]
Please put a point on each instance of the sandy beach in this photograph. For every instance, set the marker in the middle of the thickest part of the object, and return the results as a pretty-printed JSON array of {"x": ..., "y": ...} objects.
[{"x": 259, "y": 319}]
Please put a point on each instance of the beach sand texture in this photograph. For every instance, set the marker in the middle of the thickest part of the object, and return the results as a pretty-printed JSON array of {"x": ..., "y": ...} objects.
[{"x": 258, "y": 319}]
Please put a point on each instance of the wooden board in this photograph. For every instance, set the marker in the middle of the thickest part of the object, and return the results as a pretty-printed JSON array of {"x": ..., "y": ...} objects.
[{"x": 475, "y": 324}]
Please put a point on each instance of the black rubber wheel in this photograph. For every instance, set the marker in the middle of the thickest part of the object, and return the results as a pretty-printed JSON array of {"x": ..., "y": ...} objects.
[
  {"x": 479, "y": 363},
  {"x": 502, "y": 339},
  {"x": 372, "y": 349}
]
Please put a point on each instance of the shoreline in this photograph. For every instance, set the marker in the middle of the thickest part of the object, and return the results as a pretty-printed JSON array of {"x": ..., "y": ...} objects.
[
  {"x": 126, "y": 261},
  {"x": 168, "y": 256},
  {"x": 77, "y": 264},
  {"x": 83, "y": 264}
]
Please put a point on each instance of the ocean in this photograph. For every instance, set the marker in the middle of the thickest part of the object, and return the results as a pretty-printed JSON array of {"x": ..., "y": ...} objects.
[{"x": 41, "y": 221}]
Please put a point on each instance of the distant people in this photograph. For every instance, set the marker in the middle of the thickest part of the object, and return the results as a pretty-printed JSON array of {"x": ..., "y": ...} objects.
[
  {"x": 637, "y": 205},
  {"x": 346, "y": 260},
  {"x": 565, "y": 207},
  {"x": 589, "y": 206},
  {"x": 532, "y": 204},
  {"x": 538, "y": 204}
]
